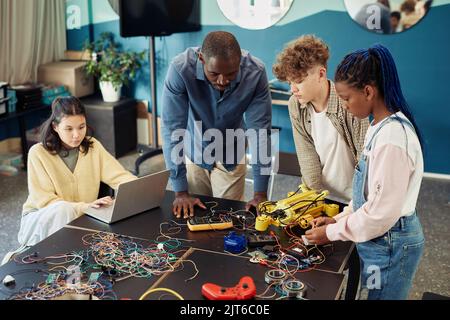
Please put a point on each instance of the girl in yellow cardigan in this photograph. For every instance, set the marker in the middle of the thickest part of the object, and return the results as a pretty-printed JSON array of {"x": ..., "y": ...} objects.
[{"x": 64, "y": 174}]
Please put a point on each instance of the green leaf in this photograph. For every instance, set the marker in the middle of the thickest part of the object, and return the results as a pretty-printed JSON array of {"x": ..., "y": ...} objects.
[{"x": 113, "y": 64}]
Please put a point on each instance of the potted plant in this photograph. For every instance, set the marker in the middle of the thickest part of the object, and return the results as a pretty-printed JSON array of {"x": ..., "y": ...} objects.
[{"x": 113, "y": 66}]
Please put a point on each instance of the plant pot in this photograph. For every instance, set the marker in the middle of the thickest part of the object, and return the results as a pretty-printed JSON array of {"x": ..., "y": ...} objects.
[{"x": 109, "y": 93}]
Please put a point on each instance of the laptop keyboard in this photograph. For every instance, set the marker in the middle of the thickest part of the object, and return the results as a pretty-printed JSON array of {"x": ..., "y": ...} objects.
[{"x": 104, "y": 211}]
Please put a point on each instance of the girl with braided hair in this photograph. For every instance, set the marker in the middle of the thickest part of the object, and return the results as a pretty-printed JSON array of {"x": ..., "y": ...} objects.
[{"x": 381, "y": 218}]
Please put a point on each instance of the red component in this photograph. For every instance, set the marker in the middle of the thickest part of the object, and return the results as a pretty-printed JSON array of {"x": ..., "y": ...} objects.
[
  {"x": 263, "y": 262},
  {"x": 245, "y": 290}
]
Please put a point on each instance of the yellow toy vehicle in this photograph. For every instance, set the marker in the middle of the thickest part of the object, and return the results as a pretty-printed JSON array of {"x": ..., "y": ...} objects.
[{"x": 298, "y": 208}]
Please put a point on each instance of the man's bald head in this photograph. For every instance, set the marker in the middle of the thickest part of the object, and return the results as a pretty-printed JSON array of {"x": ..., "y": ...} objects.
[{"x": 222, "y": 45}]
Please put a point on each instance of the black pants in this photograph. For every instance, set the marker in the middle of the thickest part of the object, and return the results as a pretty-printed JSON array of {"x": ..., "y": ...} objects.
[{"x": 353, "y": 275}]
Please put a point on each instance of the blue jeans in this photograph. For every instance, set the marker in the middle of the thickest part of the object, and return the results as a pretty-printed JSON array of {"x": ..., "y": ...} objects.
[{"x": 389, "y": 262}]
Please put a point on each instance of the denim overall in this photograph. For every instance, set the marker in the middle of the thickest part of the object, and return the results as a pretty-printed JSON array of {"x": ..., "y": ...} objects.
[{"x": 389, "y": 262}]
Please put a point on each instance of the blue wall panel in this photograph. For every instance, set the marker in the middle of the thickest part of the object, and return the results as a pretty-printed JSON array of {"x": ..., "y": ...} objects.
[{"x": 421, "y": 54}]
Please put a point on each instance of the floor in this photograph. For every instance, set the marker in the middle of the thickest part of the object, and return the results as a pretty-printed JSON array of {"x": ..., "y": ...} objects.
[{"x": 433, "y": 274}]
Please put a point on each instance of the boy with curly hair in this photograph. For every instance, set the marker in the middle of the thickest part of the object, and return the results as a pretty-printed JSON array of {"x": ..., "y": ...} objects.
[{"x": 328, "y": 139}]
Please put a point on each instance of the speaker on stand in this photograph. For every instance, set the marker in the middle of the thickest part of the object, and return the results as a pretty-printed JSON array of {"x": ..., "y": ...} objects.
[{"x": 156, "y": 18}]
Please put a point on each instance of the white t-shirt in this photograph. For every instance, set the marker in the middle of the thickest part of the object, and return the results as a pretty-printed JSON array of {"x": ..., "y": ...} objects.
[{"x": 335, "y": 157}]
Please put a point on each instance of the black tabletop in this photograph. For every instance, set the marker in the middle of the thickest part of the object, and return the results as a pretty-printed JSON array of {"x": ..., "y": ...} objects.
[
  {"x": 226, "y": 271},
  {"x": 206, "y": 249},
  {"x": 147, "y": 226},
  {"x": 62, "y": 242}
]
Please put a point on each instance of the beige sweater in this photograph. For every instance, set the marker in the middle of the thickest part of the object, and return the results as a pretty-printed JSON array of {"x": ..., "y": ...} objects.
[{"x": 50, "y": 180}]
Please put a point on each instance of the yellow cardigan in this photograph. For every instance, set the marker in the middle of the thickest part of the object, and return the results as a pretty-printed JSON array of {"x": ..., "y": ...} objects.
[{"x": 50, "y": 180}]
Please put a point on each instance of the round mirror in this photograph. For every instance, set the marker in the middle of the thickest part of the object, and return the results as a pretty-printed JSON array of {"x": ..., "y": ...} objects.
[
  {"x": 254, "y": 14},
  {"x": 387, "y": 16},
  {"x": 114, "y": 5}
]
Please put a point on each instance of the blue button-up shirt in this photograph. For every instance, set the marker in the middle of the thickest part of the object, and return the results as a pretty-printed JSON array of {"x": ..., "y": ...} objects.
[{"x": 188, "y": 97}]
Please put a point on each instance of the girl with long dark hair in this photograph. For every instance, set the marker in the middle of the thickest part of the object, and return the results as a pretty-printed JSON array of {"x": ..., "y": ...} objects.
[{"x": 64, "y": 174}]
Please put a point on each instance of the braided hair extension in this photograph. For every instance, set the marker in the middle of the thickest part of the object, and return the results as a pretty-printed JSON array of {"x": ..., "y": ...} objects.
[{"x": 376, "y": 66}]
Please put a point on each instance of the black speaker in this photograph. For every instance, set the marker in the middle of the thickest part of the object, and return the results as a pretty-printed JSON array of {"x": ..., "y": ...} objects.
[{"x": 158, "y": 17}]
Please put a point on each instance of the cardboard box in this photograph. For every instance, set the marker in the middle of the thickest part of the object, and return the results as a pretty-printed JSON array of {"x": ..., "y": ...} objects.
[
  {"x": 11, "y": 145},
  {"x": 70, "y": 74},
  {"x": 144, "y": 125},
  {"x": 143, "y": 132},
  {"x": 150, "y": 121},
  {"x": 142, "y": 109},
  {"x": 73, "y": 55}
]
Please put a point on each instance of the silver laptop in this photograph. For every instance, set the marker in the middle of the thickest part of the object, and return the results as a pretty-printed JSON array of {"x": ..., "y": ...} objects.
[{"x": 134, "y": 197}]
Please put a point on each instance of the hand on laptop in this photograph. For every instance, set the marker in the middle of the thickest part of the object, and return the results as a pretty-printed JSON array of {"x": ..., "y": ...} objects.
[
  {"x": 184, "y": 203},
  {"x": 103, "y": 202}
]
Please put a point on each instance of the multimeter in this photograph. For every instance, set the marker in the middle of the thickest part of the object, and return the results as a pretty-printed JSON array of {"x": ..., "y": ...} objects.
[{"x": 209, "y": 223}]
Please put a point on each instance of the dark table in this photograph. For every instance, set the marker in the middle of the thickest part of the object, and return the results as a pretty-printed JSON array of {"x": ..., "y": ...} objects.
[
  {"x": 62, "y": 242},
  {"x": 147, "y": 226},
  {"x": 205, "y": 248},
  {"x": 226, "y": 271},
  {"x": 222, "y": 269}
]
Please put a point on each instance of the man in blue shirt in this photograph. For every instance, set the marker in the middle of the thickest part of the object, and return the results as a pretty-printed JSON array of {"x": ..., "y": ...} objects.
[{"x": 211, "y": 95}]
